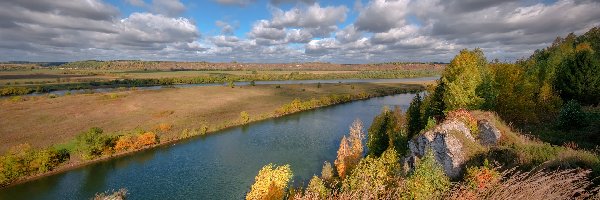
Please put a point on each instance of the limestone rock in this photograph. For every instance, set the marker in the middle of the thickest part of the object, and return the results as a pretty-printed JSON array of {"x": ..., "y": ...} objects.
[
  {"x": 445, "y": 142},
  {"x": 489, "y": 135}
]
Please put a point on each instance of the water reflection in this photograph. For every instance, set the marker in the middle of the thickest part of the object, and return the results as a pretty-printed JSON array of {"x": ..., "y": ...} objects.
[{"x": 219, "y": 166}]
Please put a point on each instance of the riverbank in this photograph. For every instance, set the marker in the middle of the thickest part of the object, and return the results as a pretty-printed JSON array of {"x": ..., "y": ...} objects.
[
  {"x": 13, "y": 83},
  {"x": 224, "y": 114}
]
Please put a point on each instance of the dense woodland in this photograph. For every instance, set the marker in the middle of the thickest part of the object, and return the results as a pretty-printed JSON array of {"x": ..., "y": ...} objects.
[{"x": 546, "y": 106}]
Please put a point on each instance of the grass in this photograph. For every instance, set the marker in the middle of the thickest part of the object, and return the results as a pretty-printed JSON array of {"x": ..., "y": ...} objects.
[{"x": 43, "y": 122}]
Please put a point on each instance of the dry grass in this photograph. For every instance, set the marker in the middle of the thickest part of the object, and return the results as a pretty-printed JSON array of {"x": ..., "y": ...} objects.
[
  {"x": 532, "y": 185},
  {"x": 42, "y": 122}
]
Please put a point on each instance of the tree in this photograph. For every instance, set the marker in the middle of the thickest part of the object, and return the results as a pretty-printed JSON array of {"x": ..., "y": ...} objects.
[
  {"x": 378, "y": 140},
  {"x": 579, "y": 76},
  {"x": 415, "y": 116},
  {"x": 270, "y": 183},
  {"x": 461, "y": 78},
  {"x": 434, "y": 102},
  {"x": 341, "y": 160},
  {"x": 374, "y": 176},
  {"x": 351, "y": 149},
  {"x": 515, "y": 101},
  {"x": 327, "y": 172},
  {"x": 252, "y": 83},
  {"x": 231, "y": 84}
]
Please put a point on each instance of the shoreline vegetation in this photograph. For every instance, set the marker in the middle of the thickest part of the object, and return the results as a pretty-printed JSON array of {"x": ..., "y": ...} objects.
[
  {"x": 23, "y": 163},
  {"x": 29, "y": 84}
]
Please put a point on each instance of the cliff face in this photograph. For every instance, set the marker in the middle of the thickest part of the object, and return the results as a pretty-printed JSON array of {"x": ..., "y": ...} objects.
[{"x": 452, "y": 144}]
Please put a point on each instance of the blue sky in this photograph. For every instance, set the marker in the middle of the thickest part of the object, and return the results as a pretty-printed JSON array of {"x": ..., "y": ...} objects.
[{"x": 366, "y": 31}]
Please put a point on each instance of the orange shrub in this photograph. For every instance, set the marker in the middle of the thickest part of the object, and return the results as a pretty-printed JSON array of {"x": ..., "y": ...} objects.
[
  {"x": 464, "y": 116},
  {"x": 123, "y": 143},
  {"x": 164, "y": 127},
  {"x": 146, "y": 139},
  {"x": 481, "y": 177}
]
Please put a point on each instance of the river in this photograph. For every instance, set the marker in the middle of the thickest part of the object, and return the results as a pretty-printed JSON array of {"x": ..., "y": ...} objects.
[
  {"x": 218, "y": 166},
  {"x": 105, "y": 90}
]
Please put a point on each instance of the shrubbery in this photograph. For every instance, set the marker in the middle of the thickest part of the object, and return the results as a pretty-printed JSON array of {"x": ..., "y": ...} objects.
[
  {"x": 22, "y": 161},
  {"x": 571, "y": 116},
  {"x": 93, "y": 143}
]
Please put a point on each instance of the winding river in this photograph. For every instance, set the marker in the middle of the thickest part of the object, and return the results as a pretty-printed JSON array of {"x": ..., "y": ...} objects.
[
  {"x": 218, "y": 166},
  {"x": 105, "y": 90}
]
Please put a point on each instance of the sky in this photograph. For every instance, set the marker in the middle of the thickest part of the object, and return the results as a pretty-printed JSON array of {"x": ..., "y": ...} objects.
[{"x": 282, "y": 31}]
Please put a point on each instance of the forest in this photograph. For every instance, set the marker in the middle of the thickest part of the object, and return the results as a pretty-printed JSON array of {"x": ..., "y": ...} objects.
[{"x": 544, "y": 106}]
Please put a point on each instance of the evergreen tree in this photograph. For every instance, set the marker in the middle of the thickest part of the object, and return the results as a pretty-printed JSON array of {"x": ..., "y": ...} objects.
[
  {"x": 378, "y": 140},
  {"x": 415, "y": 116},
  {"x": 579, "y": 76}
]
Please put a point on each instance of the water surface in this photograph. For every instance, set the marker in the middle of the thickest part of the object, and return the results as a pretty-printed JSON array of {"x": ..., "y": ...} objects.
[
  {"x": 218, "y": 166},
  {"x": 105, "y": 90}
]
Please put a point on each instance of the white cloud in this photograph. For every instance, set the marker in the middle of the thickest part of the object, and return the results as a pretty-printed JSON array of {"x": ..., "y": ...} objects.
[
  {"x": 382, "y": 15},
  {"x": 381, "y": 30}
]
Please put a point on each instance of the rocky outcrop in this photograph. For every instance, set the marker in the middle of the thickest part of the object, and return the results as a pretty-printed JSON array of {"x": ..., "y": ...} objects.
[
  {"x": 489, "y": 135},
  {"x": 450, "y": 143}
]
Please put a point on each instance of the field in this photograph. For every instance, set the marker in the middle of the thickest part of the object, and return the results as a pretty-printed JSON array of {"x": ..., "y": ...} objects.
[{"x": 43, "y": 121}]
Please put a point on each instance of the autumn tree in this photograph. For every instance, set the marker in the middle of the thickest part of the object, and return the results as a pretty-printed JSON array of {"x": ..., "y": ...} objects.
[
  {"x": 270, "y": 183},
  {"x": 351, "y": 150},
  {"x": 461, "y": 79}
]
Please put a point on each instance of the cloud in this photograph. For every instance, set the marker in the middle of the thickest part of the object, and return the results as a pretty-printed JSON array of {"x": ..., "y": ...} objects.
[
  {"x": 235, "y": 2},
  {"x": 277, "y": 2},
  {"x": 164, "y": 7},
  {"x": 168, "y": 7},
  {"x": 382, "y": 15},
  {"x": 47, "y": 32},
  {"x": 226, "y": 28},
  {"x": 296, "y": 31},
  {"x": 298, "y": 25}
]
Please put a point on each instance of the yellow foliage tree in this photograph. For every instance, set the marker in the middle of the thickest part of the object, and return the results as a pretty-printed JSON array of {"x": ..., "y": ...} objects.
[
  {"x": 270, "y": 183},
  {"x": 351, "y": 149},
  {"x": 461, "y": 79}
]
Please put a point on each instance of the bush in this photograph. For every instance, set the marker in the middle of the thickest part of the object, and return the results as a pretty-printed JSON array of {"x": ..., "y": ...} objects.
[
  {"x": 164, "y": 127},
  {"x": 427, "y": 181},
  {"x": 121, "y": 194},
  {"x": 22, "y": 160},
  {"x": 127, "y": 142},
  {"x": 270, "y": 183},
  {"x": 465, "y": 117},
  {"x": 373, "y": 176},
  {"x": 571, "y": 116},
  {"x": 244, "y": 117},
  {"x": 317, "y": 187},
  {"x": 92, "y": 143},
  {"x": 481, "y": 177}
]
